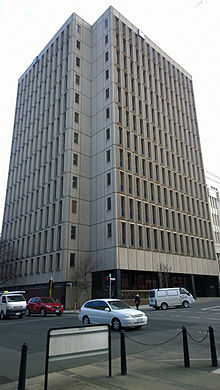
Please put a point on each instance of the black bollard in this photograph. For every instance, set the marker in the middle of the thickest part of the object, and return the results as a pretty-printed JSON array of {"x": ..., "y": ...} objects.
[
  {"x": 123, "y": 354},
  {"x": 22, "y": 372},
  {"x": 185, "y": 348},
  {"x": 212, "y": 347}
]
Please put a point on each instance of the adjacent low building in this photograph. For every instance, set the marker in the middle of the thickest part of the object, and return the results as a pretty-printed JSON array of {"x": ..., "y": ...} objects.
[{"x": 106, "y": 173}]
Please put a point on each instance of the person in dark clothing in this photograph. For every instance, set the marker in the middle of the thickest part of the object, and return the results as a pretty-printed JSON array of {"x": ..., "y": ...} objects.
[{"x": 137, "y": 301}]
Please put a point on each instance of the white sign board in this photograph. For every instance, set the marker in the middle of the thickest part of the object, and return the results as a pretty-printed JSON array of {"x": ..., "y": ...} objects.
[
  {"x": 77, "y": 342},
  {"x": 68, "y": 343}
]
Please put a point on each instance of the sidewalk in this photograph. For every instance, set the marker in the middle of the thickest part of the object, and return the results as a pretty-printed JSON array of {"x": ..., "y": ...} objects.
[{"x": 143, "y": 374}]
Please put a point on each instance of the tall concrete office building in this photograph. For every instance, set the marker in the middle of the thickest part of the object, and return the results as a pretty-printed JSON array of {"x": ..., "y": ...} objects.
[
  {"x": 106, "y": 173},
  {"x": 213, "y": 185}
]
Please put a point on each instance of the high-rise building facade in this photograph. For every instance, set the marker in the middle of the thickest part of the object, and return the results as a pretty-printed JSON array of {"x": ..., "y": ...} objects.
[
  {"x": 106, "y": 173},
  {"x": 213, "y": 185}
]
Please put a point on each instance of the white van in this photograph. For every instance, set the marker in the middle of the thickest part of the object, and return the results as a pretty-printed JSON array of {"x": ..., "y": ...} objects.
[
  {"x": 166, "y": 297},
  {"x": 12, "y": 303}
]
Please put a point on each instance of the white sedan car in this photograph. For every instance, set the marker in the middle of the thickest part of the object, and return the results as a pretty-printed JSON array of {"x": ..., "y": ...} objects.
[{"x": 114, "y": 312}]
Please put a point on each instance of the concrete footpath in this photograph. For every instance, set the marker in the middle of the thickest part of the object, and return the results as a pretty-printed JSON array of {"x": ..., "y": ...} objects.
[{"x": 142, "y": 374}]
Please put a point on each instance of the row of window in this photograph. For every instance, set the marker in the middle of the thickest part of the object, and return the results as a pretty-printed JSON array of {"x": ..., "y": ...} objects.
[
  {"x": 135, "y": 98},
  {"x": 138, "y": 46},
  {"x": 17, "y": 205},
  {"x": 161, "y": 240},
  {"x": 131, "y": 209},
  {"x": 32, "y": 266},
  {"x": 43, "y": 242},
  {"x": 132, "y": 185},
  {"x": 158, "y": 173},
  {"x": 157, "y": 143}
]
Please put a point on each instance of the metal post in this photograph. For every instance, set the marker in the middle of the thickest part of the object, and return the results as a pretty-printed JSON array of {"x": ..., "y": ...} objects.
[
  {"x": 185, "y": 348},
  {"x": 110, "y": 287},
  {"x": 123, "y": 354},
  {"x": 212, "y": 347},
  {"x": 22, "y": 372}
]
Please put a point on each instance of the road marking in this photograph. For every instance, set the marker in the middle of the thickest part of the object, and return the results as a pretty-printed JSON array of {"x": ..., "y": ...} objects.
[
  {"x": 217, "y": 319},
  {"x": 214, "y": 308},
  {"x": 198, "y": 318},
  {"x": 177, "y": 360},
  {"x": 216, "y": 371}
]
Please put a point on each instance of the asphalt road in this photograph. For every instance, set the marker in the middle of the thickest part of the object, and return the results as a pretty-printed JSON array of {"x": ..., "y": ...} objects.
[{"x": 162, "y": 337}]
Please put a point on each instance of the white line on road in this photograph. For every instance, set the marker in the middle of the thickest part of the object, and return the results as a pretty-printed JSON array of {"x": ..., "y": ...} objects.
[
  {"x": 214, "y": 308},
  {"x": 217, "y": 319},
  {"x": 216, "y": 371},
  {"x": 198, "y": 318}
]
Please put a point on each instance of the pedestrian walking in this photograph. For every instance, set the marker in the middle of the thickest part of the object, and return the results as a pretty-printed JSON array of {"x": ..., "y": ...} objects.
[{"x": 137, "y": 301}]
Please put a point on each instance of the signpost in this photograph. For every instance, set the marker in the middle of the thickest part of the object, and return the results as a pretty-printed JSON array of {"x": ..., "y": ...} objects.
[{"x": 108, "y": 284}]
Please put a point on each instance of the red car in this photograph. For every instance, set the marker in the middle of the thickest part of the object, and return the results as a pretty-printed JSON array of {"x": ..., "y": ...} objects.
[{"x": 43, "y": 306}]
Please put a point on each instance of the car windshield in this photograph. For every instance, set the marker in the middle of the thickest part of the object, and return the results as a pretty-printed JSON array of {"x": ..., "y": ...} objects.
[
  {"x": 15, "y": 298},
  {"x": 118, "y": 305},
  {"x": 47, "y": 300}
]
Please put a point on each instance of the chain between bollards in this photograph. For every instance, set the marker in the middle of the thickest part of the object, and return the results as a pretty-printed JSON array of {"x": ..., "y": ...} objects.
[
  {"x": 22, "y": 372},
  {"x": 123, "y": 354}
]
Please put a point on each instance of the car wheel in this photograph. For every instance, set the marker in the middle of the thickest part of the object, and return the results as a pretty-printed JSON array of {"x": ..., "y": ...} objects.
[
  {"x": 42, "y": 313},
  {"x": 59, "y": 314},
  {"x": 2, "y": 316},
  {"x": 116, "y": 324},
  {"x": 28, "y": 313},
  {"x": 185, "y": 304},
  {"x": 86, "y": 320},
  {"x": 164, "y": 306}
]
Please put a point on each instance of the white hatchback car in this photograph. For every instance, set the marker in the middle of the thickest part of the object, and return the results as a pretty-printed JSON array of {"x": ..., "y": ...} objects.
[{"x": 114, "y": 312}]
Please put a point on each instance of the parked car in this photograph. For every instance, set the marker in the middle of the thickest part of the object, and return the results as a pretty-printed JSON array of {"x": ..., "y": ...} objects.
[
  {"x": 12, "y": 303},
  {"x": 43, "y": 306},
  {"x": 114, "y": 312},
  {"x": 165, "y": 297}
]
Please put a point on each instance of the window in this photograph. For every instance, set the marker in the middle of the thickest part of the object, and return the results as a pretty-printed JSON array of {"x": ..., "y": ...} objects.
[
  {"x": 123, "y": 233},
  {"x": 107, "y": 93},
  {"x": 108, "y": 133},
  {"x": 73, "y": 232},
  {"x": 108, "y": 178},
  {"x": 44, "y": 264},
  {"x": 107, "y": 113},
  {"x": 77, "y": 61},
  {"x": 106, "y": 38},
  {"x": 106, "y": 23},
  {"x": 75, "y": 159},
  {"x": 76, "y": 97},
  {"x": 74, "y": 206},
  {"x": 78, "y": 28},
  {"x": 58, "y": 261},
  {"x": 106, "y": 56},
  {"x": 107, "y": 74},
  {"x": 109, "y": 204},
  {"x": 76, "y": 117},
  {"x": 50, "y": 262},
  {"x": 108, "y": 155},
  {"x": 78, "y": 44},
  {"x": 74, "y": 182},
  {"x": 77, "y": 79},
  {"x": 76, "y": 138},
  {"x": 109, "y": 229},
  {"x": 72, "y": 259}
]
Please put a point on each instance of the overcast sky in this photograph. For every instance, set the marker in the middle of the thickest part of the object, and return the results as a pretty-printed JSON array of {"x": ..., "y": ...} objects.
[{"x": 187, "y": 30}]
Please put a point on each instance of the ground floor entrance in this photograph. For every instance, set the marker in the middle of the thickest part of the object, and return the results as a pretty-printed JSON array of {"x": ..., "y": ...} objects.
[{"x": 126, "y": 284}]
